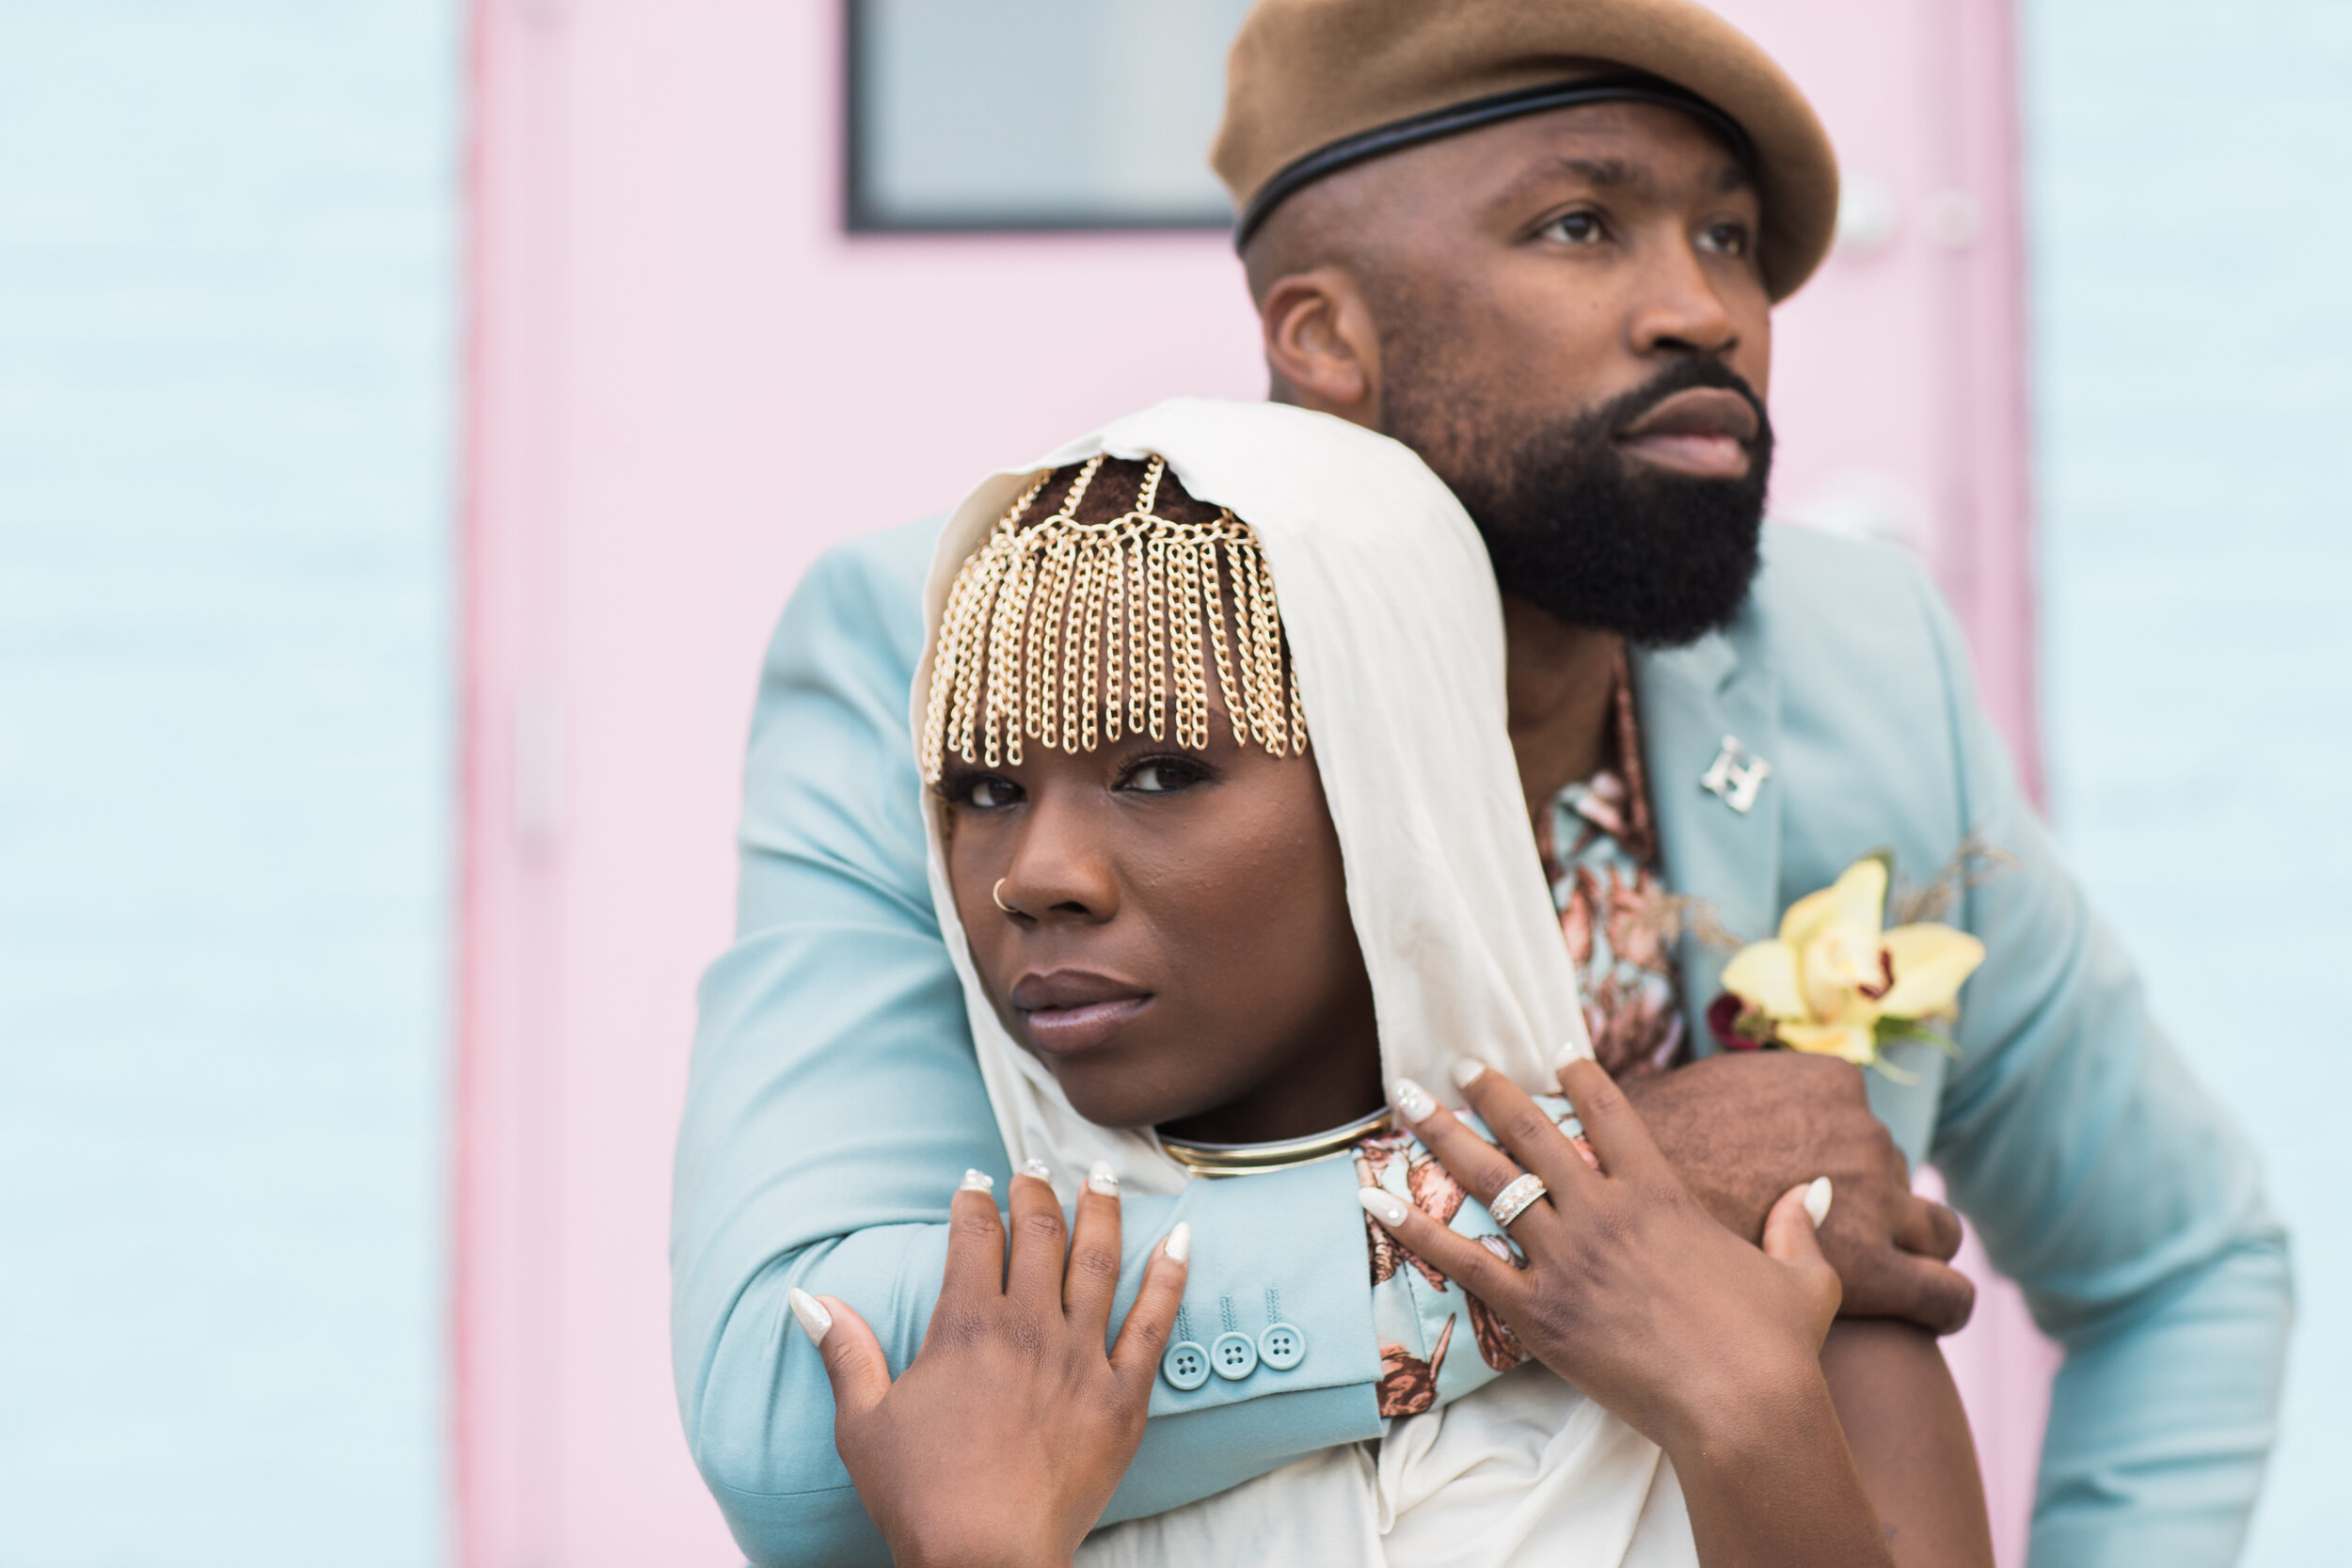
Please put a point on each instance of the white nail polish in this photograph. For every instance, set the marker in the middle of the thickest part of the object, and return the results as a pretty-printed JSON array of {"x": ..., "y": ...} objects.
[
  {"x": 1412, "y": 1101},
  {"x": 977, "y": 1181},
  {"x": 1468, "y": 1071},
  {"x": 1570, "y": 1051},
  {"x": 1385, "y": 1207},
  {"x": 1038, "y": 1168},
  {"x": 1103, "y": 1180},
  {"x": 1178, "y": 1244},
  {"x": 1817, "y": 1200},
  {"x": 815, "y": 1320}
]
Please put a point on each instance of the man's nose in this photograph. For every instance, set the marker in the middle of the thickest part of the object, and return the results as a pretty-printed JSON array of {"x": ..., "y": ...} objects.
[
  {"x": 1680, "y": 308},
  {"x": 1061, "y": 870}
]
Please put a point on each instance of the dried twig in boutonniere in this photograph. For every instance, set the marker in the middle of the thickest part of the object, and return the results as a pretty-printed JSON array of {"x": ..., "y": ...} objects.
[{"x": 1977, "y": 861}]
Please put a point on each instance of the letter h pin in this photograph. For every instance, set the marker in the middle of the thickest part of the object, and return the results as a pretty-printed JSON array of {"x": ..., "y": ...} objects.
[{"x": 1734, "y": 776}]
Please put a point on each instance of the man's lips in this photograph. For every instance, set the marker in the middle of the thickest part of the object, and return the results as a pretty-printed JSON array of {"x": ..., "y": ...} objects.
[
  {"x": 1701, "y": 431},
  {"x": 1070, "y": 1010}
]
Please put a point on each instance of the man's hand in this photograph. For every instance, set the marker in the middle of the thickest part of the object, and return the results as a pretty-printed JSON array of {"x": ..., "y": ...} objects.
[{"x": 1742, "y": 1128}]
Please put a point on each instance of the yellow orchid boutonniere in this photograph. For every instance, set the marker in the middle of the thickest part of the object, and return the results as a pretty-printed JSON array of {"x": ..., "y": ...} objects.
[{"x": 1836, "y": 983}]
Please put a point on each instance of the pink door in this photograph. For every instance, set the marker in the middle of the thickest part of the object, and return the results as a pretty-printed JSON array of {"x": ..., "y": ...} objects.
[{"x": 687, "y": 381}]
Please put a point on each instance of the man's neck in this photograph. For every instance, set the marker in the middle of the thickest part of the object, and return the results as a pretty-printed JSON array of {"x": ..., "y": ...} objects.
[{"x": 1559, "y": 680}]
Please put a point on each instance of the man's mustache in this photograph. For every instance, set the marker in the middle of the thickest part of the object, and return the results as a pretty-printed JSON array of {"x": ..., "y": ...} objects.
[{"x": 1628, "y": 408}]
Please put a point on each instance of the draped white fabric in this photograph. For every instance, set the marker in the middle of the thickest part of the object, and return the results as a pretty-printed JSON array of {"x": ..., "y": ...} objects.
[{"x": 1393, "y": 617}]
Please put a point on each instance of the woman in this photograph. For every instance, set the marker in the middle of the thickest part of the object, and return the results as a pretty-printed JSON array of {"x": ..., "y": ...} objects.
[{"x": 1180, "y": 941}]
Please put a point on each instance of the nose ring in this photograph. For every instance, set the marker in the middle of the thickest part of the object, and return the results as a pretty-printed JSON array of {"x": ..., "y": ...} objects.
[{"x": 998, "y": 892}]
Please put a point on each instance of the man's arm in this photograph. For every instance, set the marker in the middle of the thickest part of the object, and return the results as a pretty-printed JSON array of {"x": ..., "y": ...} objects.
[
  {"x": 2114, "y": 1191},
  {"x": 835, "y": 1101}
]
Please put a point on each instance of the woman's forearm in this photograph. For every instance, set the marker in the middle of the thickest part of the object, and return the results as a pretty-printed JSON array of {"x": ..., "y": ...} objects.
[
  {"x": 1909, "y": 1436},
  {"x": 1770, "y": 1483}
]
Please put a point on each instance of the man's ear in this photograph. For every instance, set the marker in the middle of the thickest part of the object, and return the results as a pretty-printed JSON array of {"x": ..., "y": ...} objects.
[{"x": 1321, "y": 345}]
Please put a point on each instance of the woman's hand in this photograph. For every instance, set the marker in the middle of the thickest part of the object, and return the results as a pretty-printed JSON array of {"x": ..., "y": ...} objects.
[
  {"x": 1004, "y": 1440},
  {"x": 1631, "y": 1290},
  {"x": 1634, "y": 1293}
]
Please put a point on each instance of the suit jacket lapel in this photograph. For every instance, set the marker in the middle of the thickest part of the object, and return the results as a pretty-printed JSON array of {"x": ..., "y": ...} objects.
[{"x": 1690, "y": 701}]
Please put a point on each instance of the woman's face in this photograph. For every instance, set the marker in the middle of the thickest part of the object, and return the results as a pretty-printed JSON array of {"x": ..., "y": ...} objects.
[{"x": 1179, "y": 952}]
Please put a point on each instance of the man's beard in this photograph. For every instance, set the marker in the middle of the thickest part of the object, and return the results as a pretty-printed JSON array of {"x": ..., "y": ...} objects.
[{"x": 1595, "y": 537}]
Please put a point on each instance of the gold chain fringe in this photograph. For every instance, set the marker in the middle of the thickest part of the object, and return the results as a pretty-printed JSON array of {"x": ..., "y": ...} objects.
[{"x": 1065, "y": 632}]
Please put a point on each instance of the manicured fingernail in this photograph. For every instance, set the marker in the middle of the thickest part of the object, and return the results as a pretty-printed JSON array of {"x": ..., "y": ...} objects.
[
  {"x": 1178, "y": 1244},
  {"x": 977, "y": 1181},
  {"x": 1412, "y": 1101},
  {"x": 1817, "y": 1199},
  {"x": 815, "y": 1320},
  {"x": 1103, "y": 1180},
  {"x": 1570, "y": 1051},
  {"x": 1468, "y": 1071},
  {"x": 1384, "y": 1207},
  {"x": 1038, "y": 1168}
]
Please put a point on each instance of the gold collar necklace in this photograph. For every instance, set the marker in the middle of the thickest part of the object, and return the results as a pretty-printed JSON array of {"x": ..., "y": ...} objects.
[{"x": 1283, "y": 1154}]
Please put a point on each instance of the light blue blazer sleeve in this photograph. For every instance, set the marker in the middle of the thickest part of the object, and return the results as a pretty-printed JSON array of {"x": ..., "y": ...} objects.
[
  {"x": 2118, "y": 1194},
  {"x": 835, "y": 1101}
]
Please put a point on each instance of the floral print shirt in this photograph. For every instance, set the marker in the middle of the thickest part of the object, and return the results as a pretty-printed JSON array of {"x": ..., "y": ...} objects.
[{"x": 1600, "y": 852}]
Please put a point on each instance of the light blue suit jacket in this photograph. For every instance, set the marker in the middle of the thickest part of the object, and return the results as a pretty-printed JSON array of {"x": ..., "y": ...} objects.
[{"x": 836, "y": 1100}]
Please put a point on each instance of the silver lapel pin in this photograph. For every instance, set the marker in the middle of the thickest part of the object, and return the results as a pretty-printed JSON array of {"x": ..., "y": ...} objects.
[{"x": 1734, "y": 776}]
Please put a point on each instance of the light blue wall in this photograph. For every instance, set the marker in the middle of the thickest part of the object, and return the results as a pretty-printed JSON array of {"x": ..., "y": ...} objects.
[
  {"x": 227, "y": 370},
  {"x": 2190, "y": 164}
]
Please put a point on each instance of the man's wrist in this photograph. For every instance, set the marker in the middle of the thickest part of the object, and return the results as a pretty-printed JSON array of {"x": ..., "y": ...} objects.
[{"x": 1695, "y": 1153}]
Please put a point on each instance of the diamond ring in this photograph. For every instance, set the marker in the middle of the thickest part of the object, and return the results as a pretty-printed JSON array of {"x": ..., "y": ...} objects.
[{"x": 1513, "y": 1200}]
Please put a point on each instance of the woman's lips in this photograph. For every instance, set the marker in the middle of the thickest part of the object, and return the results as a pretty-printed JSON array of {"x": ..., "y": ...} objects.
[
  {"x": 1070, "y": 1010},
  {"x": 1067, "y": 1031},
  {"x": 1703, "y": 432}
]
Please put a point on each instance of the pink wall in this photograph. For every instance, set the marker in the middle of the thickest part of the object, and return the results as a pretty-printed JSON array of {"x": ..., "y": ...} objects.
[{"x": 686, "y": 383}]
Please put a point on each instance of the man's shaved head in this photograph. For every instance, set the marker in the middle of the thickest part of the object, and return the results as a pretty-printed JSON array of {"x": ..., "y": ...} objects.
[{"x": 1311, "y": 229}]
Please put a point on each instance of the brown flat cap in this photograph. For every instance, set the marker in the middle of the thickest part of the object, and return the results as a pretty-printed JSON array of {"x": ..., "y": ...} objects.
[{"x": 1316, "y": 85}]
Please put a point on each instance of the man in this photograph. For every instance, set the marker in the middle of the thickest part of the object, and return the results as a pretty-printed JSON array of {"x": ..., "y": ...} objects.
[{"x": 1538, "y": 241}]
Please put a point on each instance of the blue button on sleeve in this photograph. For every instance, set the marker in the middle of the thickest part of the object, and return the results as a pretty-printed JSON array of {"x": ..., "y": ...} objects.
[
  {"x": 1234, "y": 1356},
  {"x": 1281, "y": 1347},
  {"x": 1185, "y": 1366}
]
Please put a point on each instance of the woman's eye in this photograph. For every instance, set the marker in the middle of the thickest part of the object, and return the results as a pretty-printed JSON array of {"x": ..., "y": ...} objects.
[
  {"x": 1575, "y": 228},
  {"x": 1725, "y": 239},
  {"x": 1161, "y": 775},
  {"x": 991, "y": 793}
]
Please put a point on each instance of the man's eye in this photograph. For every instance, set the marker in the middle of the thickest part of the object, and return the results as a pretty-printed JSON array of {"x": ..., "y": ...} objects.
[
  {"x": 990, "y": 792},
  {"x": 1162, "y": 775},
  {"x": 1725, "y": 239},
  {"x": 1577, "y": 229}
]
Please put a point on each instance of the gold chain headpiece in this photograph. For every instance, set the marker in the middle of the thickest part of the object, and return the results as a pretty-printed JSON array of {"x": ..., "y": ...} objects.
[{"x": 1065, "y": 632}]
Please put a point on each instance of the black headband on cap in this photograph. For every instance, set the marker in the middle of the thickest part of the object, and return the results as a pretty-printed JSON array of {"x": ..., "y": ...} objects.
[{"x": 1415, "y": 129}]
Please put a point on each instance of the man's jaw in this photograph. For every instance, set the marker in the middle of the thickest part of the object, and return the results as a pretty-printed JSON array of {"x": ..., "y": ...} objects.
[{"x": 1701, "y": 433}]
